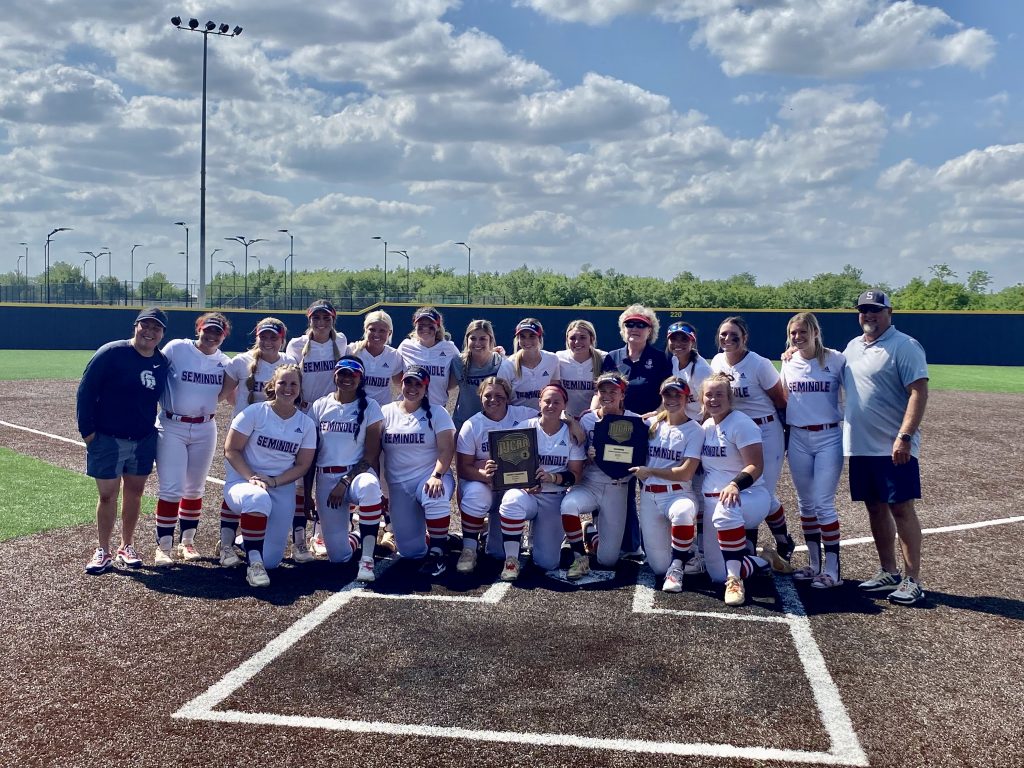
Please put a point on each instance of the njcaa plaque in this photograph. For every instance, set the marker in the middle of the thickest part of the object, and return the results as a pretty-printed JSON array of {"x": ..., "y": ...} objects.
[
  {"x": 515, "y": 452},
  {"x": 620, "y": 442}
]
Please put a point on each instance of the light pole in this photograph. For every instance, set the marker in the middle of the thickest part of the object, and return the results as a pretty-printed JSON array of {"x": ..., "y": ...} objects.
[
  {"x": 142, "y": 290},
  {"x": 210, "y": 28},
  {"x": 95, "y": 278},
  {"x": 406, "y": 254},
  {"x": 46, "y": 259},
  {"x": 259, "y": 268},
  {"x": 234, "y": 275},
  {"x": 378, "y": 237},
  {"x": 110, "y": 271},
  {"x": 245, "y": 244},
  {"x": 131, "y": 278},
  {"x": 469, "y": 268},
  {"x": 212, "y": 254},
  {"x": 187, "y": 291},
  {"x": 290, "y": 261},
  {"x": 26, "y": 260}
]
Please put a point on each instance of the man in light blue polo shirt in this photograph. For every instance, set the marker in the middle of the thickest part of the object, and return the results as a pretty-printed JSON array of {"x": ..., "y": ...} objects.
[{"x": 886, "y": 383}]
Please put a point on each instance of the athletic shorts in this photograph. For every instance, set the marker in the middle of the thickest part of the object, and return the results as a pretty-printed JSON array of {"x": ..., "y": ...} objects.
[
  {"x": 108, "y": 457},
  {"x": 876, "y": 478}
]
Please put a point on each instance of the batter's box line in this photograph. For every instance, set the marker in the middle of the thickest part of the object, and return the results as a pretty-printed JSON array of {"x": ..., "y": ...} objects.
[
  {"x": 845, "y": 747},
  {"x": 845, "y": 750}
]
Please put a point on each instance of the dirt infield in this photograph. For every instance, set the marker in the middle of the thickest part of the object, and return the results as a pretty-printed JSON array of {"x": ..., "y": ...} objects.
[{"x": 542, "y": 673}]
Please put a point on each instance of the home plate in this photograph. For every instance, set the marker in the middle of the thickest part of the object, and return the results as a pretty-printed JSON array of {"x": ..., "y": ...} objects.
[{"x": 594, "y": 577}]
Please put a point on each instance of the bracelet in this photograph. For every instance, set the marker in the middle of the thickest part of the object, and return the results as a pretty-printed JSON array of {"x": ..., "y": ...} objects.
[{"x": 742, "y": 481}]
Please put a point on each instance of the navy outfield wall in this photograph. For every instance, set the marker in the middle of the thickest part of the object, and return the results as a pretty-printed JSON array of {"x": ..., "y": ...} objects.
[{"x": 954, "y": 338}]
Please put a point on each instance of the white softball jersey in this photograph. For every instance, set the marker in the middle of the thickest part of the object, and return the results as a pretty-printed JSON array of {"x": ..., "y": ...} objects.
[
  {"x": 238, "y": 369},
  {"x": 720, "y": 453},
  {"x": 692, "y": 373},
  {"x": 336, "y": 424},
  {"x": 578, "y": 380},
  {"x": 273, "y": 442},
  {"x": 473, "y": 438},
  {"x": 194, "y": 379},
  {"x": 752, "y": 377},
  {"x": 527, "y": 385},
  {"x": 410, "y": 443},
  {"x": 438, "y": 362},
  {"x": 554, "y": 452},
  {"x": 813, "y": 389},
  {"x": 672, "y": 444},
  {"x": 592, "y": 474},
  {"x": 317, "y": 365},
  {"x": 379, "y": 370}
]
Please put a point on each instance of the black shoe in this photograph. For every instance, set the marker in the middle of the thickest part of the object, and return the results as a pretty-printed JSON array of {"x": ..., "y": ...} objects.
[
  {"x": 786, "y": 548},
  {"x": 434, "y": 564}
]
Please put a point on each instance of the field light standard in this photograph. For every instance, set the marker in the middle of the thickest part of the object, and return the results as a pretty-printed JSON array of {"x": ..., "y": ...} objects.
[
  {"x": 188, "y": 293},
  {"x": 245, "y": 244},
  {"x": 469, "y": 267},
  {"x": 210, "y": 28},
  {"x": 131, "y": 277},
  {"x": 95, "y": 279},
  {"x": 46, "y": 259},
  {"x": 290, "y": 261},
  {"x": 406, "y": 254},
  {"x": 234, "y": 275},
  {"x": 26, "y": 260},
  {"x": 378, "y": 237}
]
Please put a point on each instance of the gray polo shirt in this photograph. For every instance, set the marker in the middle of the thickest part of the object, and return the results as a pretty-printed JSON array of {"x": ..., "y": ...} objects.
[{"x": 876, "y": 378}]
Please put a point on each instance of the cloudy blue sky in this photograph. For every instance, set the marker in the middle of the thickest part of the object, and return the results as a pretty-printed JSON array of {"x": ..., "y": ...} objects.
[{"x": 780, "y": 137}]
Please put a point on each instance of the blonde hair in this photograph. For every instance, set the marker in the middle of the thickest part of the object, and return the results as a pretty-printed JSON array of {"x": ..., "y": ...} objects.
[
  {"x": 662, "y": 414},
  {"x": 475, "y": 325},
  {"x": 278, "y": 373},
  {"x": 595, "y": 356},
  {"x": 517, "y": 352},
  {"x": 718, "y": 378},
  {"x": 257, "y": 355},
  {"x": 494, "y": 381},
  {"x": 640, "y": 309},
  {"x": 377, "y": 316},
  {"x": 809, "y": 320}
]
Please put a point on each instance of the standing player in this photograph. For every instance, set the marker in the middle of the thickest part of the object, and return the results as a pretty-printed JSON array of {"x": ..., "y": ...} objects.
[
  {"x": 561, "y": 465},
  {"x": 759, "y": 393},
  {"x": 419, "y": 443},
  {"x": 117, "y": 399},
  {"x": 430, "y": 349},
  {"x": 380, "y": 360},
  {"x": 188, "y": 433},
  {"x": 533, "y": 366},
  {"x": 477, "y": 498},
  {"x": 478, "y": 361},
  {"x": 253, "y": 369},
  {"x": 579, "y": 365},
  {"x": 270, "y": 446},
  {"x": 733, "y": 483},
  {"x": 813, "y": 375},
  {"x": 668, "y": 509},
  {"x": 348, "y": 430},
  {"x": 597, "y": 491}
]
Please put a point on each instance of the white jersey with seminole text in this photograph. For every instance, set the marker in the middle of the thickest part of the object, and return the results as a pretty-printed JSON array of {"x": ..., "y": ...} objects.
[
  {"x": 813, "y": 389},
  {"x": 554, "y": 452},
  {"x": 273, "y": 441},
  {"x": 592, "y": 473},
  {"x": 317, "y": 365},
  {"x": 379, "y": 370},
  {"x": 692, "y": 373},
  {"x": 673, "y": 444},
  {"x": 720, "y": 455},
  {"x": 410, "y": 443},
  {"x": 473, "y": 437},
  {"x": 238, "y": 369},
  {"x": 752, "y": 377},
  {"x": 438, "y": 362},
  {"x": 336, "y": 424},
  {"x": 578, "y": 380},
  {"x": 527, "y": 385},
  {"x": 194, "y": 379}
]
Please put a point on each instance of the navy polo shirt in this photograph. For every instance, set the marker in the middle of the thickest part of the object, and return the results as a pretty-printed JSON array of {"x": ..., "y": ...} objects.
[
  {"x": 645, "y": 376},
  {"x": 119, "y": 391}
]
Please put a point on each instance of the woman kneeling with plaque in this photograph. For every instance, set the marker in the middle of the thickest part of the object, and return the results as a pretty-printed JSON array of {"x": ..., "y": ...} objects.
[{"x": 560, "y": 464}]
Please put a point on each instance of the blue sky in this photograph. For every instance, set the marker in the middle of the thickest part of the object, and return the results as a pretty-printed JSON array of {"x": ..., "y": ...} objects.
[{"x": 783, "y": 138}]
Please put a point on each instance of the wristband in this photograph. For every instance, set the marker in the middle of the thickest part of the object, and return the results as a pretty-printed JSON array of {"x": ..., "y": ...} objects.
[
  {"x": 742, "y": 481},
  {"x": 565, "y": 479}
]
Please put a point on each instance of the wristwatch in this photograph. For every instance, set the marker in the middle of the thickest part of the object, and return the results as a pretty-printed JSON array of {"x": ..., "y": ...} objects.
[
  {"x": 904, "y": 436},
  {"x": 437, "y": 475}
]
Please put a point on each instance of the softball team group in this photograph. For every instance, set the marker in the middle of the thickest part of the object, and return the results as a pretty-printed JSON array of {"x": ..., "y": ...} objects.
[{"x": 318, "y": 434}]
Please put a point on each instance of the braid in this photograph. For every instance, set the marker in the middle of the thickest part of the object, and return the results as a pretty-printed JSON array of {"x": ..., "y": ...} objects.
[
  {"x": 306, "y": 346},
  {"x": 250, "y": 383},
  {"x": 334, "y": 344},
  {"x": 425, "y": 404},
  {"x": 662, "y": 416},
  {"x": 361, "y": 393}
]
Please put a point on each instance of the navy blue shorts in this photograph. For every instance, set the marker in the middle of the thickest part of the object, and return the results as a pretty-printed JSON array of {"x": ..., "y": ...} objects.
[
  {"x": 876, "y": 478},
  {"x": 108, "y": 457}
]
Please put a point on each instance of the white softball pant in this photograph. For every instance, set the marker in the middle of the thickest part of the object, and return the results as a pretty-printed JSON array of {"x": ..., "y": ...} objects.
[
  {"x": 658, "y": 512},
  {"x": 774, "y": 447},
  {"x": 610, "y": 499},
  {"x": 276, "y": 504},
  {"x": 477, "y": 499},
  {"x": 334, "y": 521},
  {"x": 545, "y": 510},
  {"x": 749, "y": 513},
  {"x": 411, "y": 507},
  {"x": 816, "y": 462},
  {"x": 184, "y": 453}
]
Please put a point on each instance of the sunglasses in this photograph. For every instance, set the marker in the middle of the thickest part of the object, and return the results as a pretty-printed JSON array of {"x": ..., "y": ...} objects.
[
  {"x": 636, "y": 324},
  {"x": 870, "y": 310}
]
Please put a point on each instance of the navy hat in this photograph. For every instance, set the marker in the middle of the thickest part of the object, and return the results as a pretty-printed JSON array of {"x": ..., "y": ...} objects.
[
  {"x": 417, "y": 372},
  {"x": 529, "y": 325},
  {"x": 874, "y": 298},
  {"x": 675, "y": 383},
  {"x": 429, "y": 314},
  {"x": 153, "y": 313},
  {"x": 271, "y": 325},
  {"x": 323, "y": 305},
  {"x": 612, "y": 378}
]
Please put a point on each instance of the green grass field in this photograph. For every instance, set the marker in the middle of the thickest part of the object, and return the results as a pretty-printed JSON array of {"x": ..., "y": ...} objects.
[{"x": 36, "y": 496}]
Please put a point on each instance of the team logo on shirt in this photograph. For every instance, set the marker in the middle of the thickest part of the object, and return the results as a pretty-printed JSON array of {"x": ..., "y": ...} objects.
[
  {"x": 649, "y": 364},
  {"x": 148, "y": 379},
  {"x": 514, "y": 449}
]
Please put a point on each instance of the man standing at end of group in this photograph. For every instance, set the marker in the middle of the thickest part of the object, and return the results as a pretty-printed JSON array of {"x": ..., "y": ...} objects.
[
  {"x": 886, "y": 382},
  {"x": 117, "y": 400}
]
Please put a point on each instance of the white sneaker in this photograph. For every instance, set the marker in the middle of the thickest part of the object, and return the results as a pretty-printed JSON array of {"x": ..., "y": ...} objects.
[
  {"x": 735, "y": 592},
  {"x": 695, "y": 565},
  {"x": 366, "y": 574},
  {"x": 467, "y": 561},
  {"x": 256, "y": 575},
  {"x": 673, "y": 580},
  {"x": 580, "y": 567},
  {"x": 228, "y": 557},
  {"x": 188, "y": 551},
  {"x": 510, "y": 572},
  {"x": 300, "y": 552},
  {"x": 318, "y": 547},
  {"x": 162, "y": 557}
]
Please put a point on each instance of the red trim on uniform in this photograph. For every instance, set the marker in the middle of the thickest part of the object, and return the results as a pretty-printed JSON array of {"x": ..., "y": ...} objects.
[
  {"x": 809, "y": 525},
  {"x": 682, "y": 536},
  {"x": 166, "y": 512},
  {"x": 472, "y": 523},
  {"x": 227, "y": 515},
  {"x": 777, "y": 520},
  {"x": 830, "y": 533},
  {"x": 573, "y": 527},
  {"x": 732, "y": 539},
  {"x": 253, "y": 526},
  {"x": 511, "y": 527},
  {"x": 438, "y": 528}
]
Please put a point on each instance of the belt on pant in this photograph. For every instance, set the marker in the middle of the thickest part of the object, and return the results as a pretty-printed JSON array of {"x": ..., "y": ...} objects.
[
  {"x": 712, "y": 495},
  {"x": 817, "y": 427},
  {"x": 764, "y": 420},
  {"x": 333, "y": 470},
  {"x": 188, "y": 419},
  {"x": 664, "y": 488}
]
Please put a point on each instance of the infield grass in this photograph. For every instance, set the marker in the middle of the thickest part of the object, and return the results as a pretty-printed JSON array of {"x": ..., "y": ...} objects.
[{"x": 36, "y": 496}]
